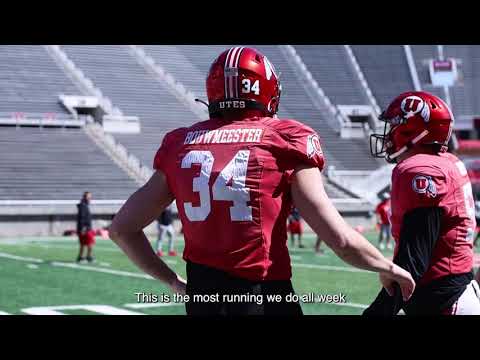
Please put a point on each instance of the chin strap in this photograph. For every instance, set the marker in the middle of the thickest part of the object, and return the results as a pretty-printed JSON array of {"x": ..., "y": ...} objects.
[
  {"x": 202, "y": 102},
  {"x": 409, "y": 145}
]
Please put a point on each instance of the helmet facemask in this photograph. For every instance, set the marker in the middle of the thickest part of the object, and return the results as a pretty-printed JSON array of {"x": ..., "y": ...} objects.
[{"x": 381, "y": 144}]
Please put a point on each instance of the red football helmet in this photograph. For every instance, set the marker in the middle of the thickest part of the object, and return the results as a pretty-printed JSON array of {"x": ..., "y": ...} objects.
[
  {"x": 413, "y": 118},
  {"x": 243, "y": 78}
]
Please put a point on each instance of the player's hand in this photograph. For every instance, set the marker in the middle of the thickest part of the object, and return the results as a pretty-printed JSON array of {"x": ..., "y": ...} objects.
[
  {"x": 400, "y": 276},
  {"x": 179, "y": 285}
]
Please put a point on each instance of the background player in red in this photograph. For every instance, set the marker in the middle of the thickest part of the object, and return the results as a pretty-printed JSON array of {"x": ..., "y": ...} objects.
[
  {"x": 234, "y": 178},
  {"x": 86, "y": 234},
  {"x": 295, "y": 227},
  {"x": 382, "y": 210},
  {"x": 433, "y": 214}
]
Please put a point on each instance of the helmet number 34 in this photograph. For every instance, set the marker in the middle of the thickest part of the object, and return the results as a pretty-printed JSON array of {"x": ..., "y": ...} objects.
[
  {"x": 235, "y": 172},
  {"x": 248, "y": 88}
]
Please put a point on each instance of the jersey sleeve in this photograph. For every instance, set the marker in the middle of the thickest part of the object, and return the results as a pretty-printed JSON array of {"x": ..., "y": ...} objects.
[
  {"x": 302, "y": 145},
  {"x": 160, "y": 161},
  {"x": 422, "y": 186}
]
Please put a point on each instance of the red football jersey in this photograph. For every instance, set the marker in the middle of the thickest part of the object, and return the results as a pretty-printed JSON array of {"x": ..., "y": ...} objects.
[
  {"x": 231, "y": 181},
  {"x": 425, "y": 180},
  {"x": 383, "y": 210}
]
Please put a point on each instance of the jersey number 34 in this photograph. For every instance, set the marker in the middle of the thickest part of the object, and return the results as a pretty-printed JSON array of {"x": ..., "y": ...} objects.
[{"x": 238, "y": 193}]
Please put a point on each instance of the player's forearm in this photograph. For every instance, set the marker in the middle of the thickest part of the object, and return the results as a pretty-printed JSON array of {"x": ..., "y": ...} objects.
[
  {"x": 358, "y": 252},
  {"x": 318, "y": 211},
  {"x": 138, "y": 249}
]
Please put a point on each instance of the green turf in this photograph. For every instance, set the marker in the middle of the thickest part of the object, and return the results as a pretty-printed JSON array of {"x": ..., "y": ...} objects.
[{"x": 26, "y": 284}]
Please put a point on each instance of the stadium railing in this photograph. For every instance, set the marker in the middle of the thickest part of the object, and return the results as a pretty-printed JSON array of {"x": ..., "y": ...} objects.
[
  {"x": 362, "y": 79},
  {"x": 43, "y": 120},
  {"x": 412, "y": 67},
  {"x": 160, "y": 74},
  {"x": 79, "y": 78},
  {"x": 365, "y": 184},
  {"x": 55, "y": 207}
]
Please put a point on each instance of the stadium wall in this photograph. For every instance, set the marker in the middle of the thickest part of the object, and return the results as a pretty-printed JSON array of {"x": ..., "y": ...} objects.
[{"x": 56, "y": 224}]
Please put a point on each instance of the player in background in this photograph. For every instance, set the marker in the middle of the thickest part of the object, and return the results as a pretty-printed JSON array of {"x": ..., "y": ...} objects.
[
  {"x": 235, "y": 178},
  {"x": 382, "y": 210},
  {"x": 318, "y": 245},
  {"x": 165, "y": 228},
  {"x": 295, "y": 227},
  {"x": 86, "y": 235},
  {"x": 432, "y": 210}
]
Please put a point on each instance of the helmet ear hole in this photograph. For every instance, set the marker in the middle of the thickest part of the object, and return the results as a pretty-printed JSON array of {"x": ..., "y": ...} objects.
[{"x": 433, "y": 105}]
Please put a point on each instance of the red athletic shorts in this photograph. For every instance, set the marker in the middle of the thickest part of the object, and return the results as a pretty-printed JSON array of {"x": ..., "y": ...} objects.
[
  {"x": 295, "y": 227},
  {"x": 88, "y": 238}
]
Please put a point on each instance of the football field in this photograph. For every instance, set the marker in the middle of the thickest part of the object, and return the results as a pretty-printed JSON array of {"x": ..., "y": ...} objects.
[{"x": 40, "y": 276}]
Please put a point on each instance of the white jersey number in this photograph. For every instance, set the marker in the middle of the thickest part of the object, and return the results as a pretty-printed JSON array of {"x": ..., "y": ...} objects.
[{"x": 235, "y": 172}]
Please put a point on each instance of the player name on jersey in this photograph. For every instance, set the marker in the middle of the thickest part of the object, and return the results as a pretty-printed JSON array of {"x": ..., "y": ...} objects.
[{"x": 224, "y": 136}]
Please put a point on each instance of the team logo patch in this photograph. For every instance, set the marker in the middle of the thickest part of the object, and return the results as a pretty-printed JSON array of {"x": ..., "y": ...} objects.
[
  {"x": 313, "y": 146},
  {"x": 412, "y": 105},
  {"x": 422, "y": 184}
]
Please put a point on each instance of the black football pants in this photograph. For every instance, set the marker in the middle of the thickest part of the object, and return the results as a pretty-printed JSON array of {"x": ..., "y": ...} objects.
[{"x": 203, "y": 280}]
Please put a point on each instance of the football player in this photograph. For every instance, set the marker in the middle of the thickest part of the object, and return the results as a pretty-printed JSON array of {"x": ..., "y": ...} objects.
[
  {"x": 165, "y": 228},
  {"x": 295, "y": 227},
  {"x": 234, "y": 178},
  {"x": 86, "y": 235},
  {"x": 432, "y": 210},
  {"x": 382, "y": 210}
]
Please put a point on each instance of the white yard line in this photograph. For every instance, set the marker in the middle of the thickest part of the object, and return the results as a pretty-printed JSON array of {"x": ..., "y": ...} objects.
[
  {"x": 151, "y": 305},
  {"x": 20, "y": 258},
  {"x": 361, "y": 306},
  {"x": 32, "y": 266},
  {"x": 97, "y": 248},
  {"x": 331, "y": 268},
  {"x": 102, "y": 270},
  {"x": 144, "y": 276},
  {"x": 100, "y": 309},
  {"x": 37, "y": 240}
]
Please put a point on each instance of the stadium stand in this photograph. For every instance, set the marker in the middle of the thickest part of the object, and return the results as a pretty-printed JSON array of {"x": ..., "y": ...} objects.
[
  {"x": 297, "y": 104},
  {"x": 157, "y": 108},
  {"x": 386, "y": 70},
  {"x": 31, "y": 81},
  {"x": 332, "y": 69},
  {"x": 189, "y": 64},
  {"x": 135, "y": 92},
  {"x": 57, "y": 164},
  {"x": 66, "y": 162},
  {"x": 464, "y": 94}
]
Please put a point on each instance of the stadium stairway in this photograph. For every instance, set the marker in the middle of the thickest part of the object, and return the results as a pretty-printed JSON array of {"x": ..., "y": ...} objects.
[
  {"x": 465, "y": 94},
  {"x": 297, "y": 104},
  {"x": 331, "y": 67},
  {"x": 386, "y": 70},
  {"x": 132, "y": 89}
]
